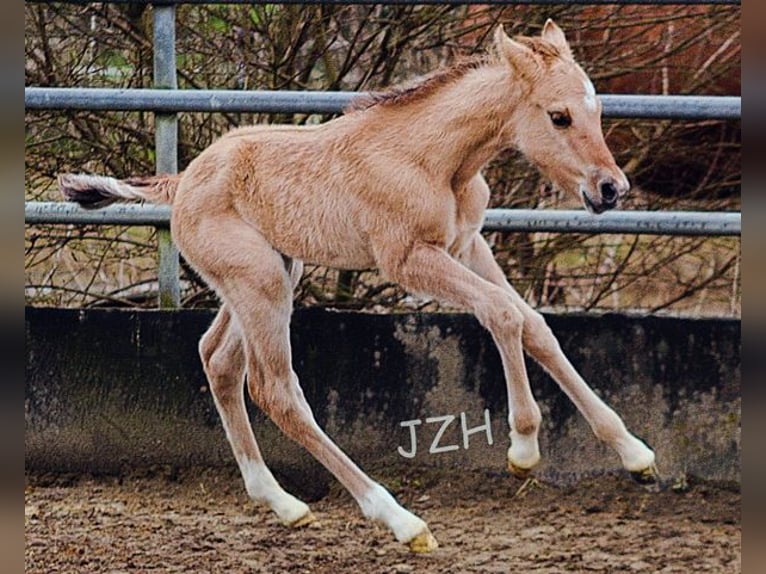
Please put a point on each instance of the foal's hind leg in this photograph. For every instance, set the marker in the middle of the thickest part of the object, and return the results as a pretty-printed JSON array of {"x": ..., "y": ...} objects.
[
  {"x": 224, "y": 363},
  {"x": 252, "y": 279},
  {"x": 541, "y": 344}
]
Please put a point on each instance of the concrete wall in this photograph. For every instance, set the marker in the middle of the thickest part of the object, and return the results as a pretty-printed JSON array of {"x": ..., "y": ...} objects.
[{"x": 111, "y": 390}]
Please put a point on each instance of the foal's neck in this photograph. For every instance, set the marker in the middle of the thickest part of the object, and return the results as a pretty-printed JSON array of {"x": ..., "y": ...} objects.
[{"x": 458, "y": 129}]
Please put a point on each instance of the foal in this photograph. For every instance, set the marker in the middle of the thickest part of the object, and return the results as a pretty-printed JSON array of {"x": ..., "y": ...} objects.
[{"x": 393, "y": 184}]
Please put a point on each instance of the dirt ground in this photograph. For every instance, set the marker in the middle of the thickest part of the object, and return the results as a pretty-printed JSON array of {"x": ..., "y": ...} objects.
[{"x": 202, "y": 521}]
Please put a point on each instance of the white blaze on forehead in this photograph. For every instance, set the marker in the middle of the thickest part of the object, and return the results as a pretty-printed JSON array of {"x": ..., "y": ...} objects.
[{"x": 590, "y": 94}]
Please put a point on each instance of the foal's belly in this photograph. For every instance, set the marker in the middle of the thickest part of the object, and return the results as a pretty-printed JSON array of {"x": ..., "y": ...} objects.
[
  {"x": 328, "y": 237},
  {"x": 325, "y": 251}
]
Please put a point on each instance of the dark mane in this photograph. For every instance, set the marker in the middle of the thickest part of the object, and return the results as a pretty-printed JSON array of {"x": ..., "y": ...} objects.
[{"x": 420, "y": 89}]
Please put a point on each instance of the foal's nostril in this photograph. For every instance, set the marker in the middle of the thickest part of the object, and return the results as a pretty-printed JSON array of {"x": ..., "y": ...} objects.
[{"x": 608, "y": 192}]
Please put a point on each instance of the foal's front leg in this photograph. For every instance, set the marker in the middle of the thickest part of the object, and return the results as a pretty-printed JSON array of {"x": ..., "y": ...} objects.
[
  {"x": 542, "y": 345},
  {"x": 429, "y": 269}
]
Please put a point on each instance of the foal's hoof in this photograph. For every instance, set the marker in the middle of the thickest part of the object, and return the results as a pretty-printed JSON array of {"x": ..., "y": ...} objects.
[
  {"x": 649, "y": 476},
  {"x": 305, "y": 520},
  {"x": 423, "y": 543},
  {"x": 519, "y": 471}
]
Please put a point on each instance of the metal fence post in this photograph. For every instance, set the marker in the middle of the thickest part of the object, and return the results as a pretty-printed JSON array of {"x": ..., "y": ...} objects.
[{"x": 166, "y": 145}]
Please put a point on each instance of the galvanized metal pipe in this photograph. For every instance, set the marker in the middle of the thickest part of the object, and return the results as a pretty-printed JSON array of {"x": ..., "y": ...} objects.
[
  {"x": 306, "y": 102},
  {"x": 60, "y": 212},
  {"x": 633, "y": 222},
  {"x": 165, "y": 82},
  {"x": 166, "y": 147},
  {"x": 528, "y": 220}
]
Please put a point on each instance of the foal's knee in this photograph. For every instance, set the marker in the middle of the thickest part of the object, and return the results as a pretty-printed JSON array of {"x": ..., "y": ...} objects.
[
  {"x": 538, "y": 338},
  {"x": 501, "y": 315}
]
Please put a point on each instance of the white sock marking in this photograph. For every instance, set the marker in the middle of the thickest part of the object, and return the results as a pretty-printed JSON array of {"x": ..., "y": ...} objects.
[
  {"x": 263, "y": 487},
  {"x": 635, "y": 455},
  {"x": 378, "y": 504},
  {"x": 524, "y": 451}
]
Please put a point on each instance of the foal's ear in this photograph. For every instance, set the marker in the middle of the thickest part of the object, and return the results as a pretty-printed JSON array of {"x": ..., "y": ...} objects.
[
  {"x": 555, "y": 35},
  {"x": 520, "y": 57}
]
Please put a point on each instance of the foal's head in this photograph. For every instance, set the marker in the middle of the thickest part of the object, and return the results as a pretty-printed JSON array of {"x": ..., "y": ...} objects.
[{"x": 557, "y": 124}]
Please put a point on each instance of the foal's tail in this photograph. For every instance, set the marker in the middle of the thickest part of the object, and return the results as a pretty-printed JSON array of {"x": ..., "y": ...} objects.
[{"x": 96, "y": 191}]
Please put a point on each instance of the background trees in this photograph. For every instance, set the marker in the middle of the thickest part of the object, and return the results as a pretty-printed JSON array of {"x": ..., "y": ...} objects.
[{"x": 638, "y": 49}]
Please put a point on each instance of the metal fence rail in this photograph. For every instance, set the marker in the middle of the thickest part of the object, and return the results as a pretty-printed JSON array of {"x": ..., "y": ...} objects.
[
  {"x": 629, "y": 222},
  {"x": 562, "y": 221},
  {"x": 59, "y": 212},
  {"x": 307, "y": 102}
]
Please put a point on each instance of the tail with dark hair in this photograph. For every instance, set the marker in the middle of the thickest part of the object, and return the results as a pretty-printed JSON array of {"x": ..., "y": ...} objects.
[{"x": 97, "y": 191}]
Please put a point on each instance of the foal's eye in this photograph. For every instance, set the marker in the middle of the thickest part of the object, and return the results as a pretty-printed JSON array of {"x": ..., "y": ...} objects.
[{"x": 560, "y": 119}]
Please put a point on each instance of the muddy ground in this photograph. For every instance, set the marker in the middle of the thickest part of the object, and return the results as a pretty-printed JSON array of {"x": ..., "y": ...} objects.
[{"x": 202, "y": 521}]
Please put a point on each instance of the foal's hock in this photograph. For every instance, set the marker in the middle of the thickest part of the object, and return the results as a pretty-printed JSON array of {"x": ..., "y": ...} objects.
[{"x": 393, "y": 184}]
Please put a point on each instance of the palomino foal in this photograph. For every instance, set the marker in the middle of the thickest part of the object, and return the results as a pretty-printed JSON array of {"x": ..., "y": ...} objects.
[{"x": 393, "y": 184}]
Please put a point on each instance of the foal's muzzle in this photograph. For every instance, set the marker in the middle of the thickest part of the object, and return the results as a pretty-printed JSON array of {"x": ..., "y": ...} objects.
[{"x": 609, "y": 190}]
